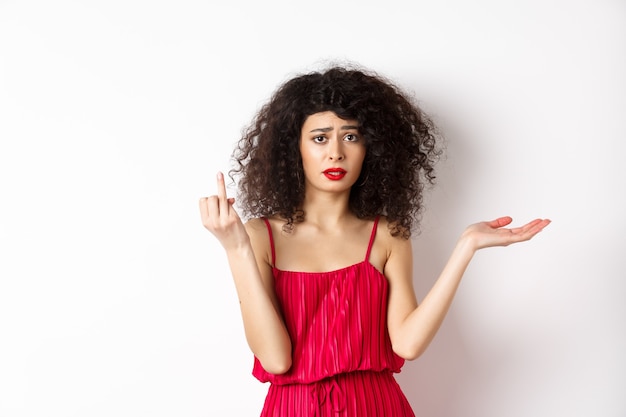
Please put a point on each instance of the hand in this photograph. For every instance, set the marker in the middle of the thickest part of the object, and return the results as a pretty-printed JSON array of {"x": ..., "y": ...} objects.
[
  {"x": 493, "y": 233},
  {"x": 221, "y": 219}
]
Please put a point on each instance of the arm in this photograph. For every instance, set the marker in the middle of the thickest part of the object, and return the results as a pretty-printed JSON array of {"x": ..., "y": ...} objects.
[
  {"x": 264, "y": 327},
  {"x": 412, "y": 327}
]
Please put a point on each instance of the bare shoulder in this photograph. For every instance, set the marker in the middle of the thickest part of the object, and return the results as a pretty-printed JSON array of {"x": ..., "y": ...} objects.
[
  {"x": 388, "y": 248},
  {"x": 384, "y": 234},
  {"x": 258, "y": 226},
  {"x": 255, "y": 225},
  {"x": 259, "y": 238}
]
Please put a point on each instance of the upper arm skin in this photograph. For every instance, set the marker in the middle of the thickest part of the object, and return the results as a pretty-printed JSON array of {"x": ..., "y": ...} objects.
[
  {"x": 260, "y": 242},
  {"x": 401, "y": 299}
]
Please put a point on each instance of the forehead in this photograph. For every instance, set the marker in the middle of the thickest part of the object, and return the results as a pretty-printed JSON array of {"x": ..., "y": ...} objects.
[{"x": 326, "y": 119}]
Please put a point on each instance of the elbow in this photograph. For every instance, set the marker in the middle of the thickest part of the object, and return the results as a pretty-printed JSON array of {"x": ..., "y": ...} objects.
[
  {"x": 277, "y": 366},
  {"x": 275, "y": 358},
  {"x": 409, "y": 353}
]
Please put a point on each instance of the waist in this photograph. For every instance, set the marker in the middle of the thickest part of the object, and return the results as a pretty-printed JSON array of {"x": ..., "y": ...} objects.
[
  {"x": 301, "y": 373},
  {"x": 362, "y": 393}
]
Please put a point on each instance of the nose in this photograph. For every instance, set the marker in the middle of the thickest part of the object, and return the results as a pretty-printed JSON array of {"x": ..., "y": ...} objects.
[{"x": 335, "y": 151}]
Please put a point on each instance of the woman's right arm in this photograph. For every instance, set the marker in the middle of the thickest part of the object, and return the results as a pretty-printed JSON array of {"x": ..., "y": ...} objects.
[{"x": 264, "y": 327}]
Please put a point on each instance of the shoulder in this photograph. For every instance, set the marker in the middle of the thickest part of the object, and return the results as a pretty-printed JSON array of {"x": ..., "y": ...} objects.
[
  {"x": 259, "y": 225},
  {"x": 255, "y": 225},
  {"x": 259, "y": 238},
  {"x": 388, "y": 248},
  {"x": 257, "y": 230},
  {"x": 384, "y": 234}
]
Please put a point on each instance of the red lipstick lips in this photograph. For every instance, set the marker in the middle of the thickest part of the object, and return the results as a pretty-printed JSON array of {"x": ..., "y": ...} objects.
[{"x": 335, "y": 174}]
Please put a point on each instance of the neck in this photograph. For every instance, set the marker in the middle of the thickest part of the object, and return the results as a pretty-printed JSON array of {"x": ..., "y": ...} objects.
[{"x": 326, "y": 210}]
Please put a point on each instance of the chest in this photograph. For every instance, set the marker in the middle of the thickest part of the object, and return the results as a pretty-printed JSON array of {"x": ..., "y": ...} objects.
[{"x": 325, "y": 252}]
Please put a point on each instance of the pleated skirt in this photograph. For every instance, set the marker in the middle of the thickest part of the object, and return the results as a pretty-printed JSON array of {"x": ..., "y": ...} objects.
[{"x": 360, "y": 394}]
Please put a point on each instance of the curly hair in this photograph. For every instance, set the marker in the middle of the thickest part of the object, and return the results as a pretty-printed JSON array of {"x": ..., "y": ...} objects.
[{"x": 401, "y": 148}]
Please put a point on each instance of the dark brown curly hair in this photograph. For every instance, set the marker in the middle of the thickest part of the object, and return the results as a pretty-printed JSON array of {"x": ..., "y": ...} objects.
[{"x": 401, "y": 148}]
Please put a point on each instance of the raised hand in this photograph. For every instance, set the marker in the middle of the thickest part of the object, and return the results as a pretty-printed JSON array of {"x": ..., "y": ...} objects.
[
  {"x": 493, "y": 233},
  {"x": 221, "y": 219}
]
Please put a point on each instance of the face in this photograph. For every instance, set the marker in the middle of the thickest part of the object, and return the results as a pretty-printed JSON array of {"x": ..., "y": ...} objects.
[{"x": 332, "y": 152}]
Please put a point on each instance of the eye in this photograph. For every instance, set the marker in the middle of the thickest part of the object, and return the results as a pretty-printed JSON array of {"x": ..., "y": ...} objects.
[
  {"x": 319, "y": 139},
  {"x": 351, "y": 137}
]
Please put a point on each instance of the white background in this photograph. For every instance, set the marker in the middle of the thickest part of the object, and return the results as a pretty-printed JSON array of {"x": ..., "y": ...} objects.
[{"x": 116, "y": 115}]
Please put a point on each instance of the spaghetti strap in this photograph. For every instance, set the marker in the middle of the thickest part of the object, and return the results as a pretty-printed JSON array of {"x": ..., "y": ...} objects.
[
  {"x": 269, "y": 232},
  {"x": 373, "y": 235}
]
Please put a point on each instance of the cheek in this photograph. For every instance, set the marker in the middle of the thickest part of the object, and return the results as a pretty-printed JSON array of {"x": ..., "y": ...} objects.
[
  {"x": 360, "y": 156},
  {"x": 311, "y": 153},
  {"x": 308, "y": 157}
]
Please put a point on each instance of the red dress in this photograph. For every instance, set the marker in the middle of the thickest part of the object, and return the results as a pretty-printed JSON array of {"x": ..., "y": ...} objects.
[{"x": 342, "y": 360}]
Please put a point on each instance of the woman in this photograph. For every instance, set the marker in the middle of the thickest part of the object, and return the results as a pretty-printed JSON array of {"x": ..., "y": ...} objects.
[{"x": 331, "y": 173}]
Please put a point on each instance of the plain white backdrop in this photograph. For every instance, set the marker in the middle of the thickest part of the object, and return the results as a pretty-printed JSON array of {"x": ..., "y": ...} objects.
[{"x": 116, "y": 115}]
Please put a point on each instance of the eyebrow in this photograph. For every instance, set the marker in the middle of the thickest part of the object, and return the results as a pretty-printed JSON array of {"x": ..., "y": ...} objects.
[{"x": 329, "y": 129}]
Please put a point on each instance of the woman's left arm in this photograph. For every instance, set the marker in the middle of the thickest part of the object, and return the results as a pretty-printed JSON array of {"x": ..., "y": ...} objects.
[{"x": 412, "y": 327}]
